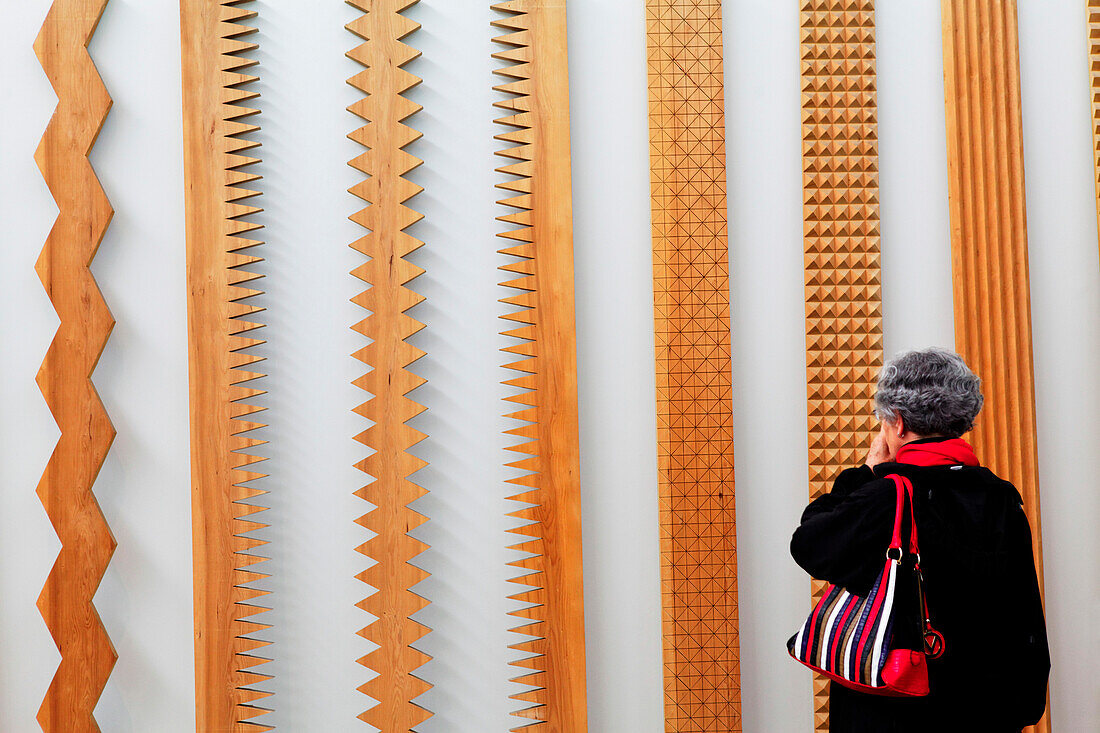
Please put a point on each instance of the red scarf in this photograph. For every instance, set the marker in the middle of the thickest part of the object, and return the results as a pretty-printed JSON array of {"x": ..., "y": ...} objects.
[{"x": 938, "y": 453}]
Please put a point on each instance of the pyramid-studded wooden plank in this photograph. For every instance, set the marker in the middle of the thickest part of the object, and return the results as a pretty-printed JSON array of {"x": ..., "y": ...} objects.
[
  {"x": 841, "y": 241},
  {"x": 542, "y": 362},
  {"x": 222, "y": 327},
  {"x": 985, "y": 166},
  {"x": 694, "y": 397},
  {"x": 385, "y": 164},
  {"x": 65, "y": 377}
]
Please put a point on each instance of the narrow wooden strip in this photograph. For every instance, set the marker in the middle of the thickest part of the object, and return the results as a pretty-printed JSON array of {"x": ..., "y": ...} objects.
[
  {"x": 1094, "y": 90},
  {"x": 694, "y": 399},
  {"x": 386, "y": 190},
  {"x": 539, "y": 211},
  {"x": 222, "y": 372},
  {"x": 989, "y": 239},
  {"x": 840, "y": 215},
  {"x": 65, "y": 489}
]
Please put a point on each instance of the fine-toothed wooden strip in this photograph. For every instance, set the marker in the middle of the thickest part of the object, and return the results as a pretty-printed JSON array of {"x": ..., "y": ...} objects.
[
  {"x": 702, "y": 680},
  {"x": 386, "y": 190},
  {"x": 541, "y": 268},
  {"x": 65, "y": 489},
  {"x": 841, "y": 239},
  {"x": 985, "y": 164},
  {"x": 221, "y": 320}
]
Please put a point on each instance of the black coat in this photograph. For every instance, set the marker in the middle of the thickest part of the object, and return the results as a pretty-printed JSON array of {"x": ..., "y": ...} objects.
[{"x": 981, "y": 586}]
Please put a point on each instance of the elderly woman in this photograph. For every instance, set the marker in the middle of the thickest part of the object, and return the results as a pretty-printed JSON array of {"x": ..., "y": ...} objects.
[{"x": 979, "y": 574}]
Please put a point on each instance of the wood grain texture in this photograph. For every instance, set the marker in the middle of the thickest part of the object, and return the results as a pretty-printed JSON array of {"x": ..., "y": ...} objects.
[
  {"x": 985, "y": 164},
  {"x": 387, "y": 190},
  {"x": 221, "y": 320},
  {"x": 702, "y": 682},
  {"x": 540, "y": 268},
  {"x": 840, "y": 214},
  {"x": 65, "y": 489}
]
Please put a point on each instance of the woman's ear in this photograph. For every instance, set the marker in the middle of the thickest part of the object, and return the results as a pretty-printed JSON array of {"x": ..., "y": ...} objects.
[{"x": 899, "y": 426}]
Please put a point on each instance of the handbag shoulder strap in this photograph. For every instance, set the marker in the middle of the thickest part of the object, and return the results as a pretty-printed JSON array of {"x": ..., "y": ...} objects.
[
  {"x": 934, "y": 643},
  {"x": 904, "y": 488}
]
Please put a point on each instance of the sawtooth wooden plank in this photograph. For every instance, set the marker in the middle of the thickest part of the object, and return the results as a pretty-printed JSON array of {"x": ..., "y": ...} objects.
[
  {"x": 221, "y": 324},
  {"x": 386, "y": 189},
  {"x": 541, "y": 319}
]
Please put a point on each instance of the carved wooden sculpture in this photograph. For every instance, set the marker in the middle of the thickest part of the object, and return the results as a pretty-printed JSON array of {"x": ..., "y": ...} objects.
[
  {"x": 1094, "y": 87},
  {"x": 386, "y": 190},
  {"x": 220, "y": 323},
  {"x": 694, "y": 397},
  {"x": 841, "y": 240},
  {"x": 541, "y": 268},
  {"x": 985, "y": 165},
  {"x": 65, "y": 489}
]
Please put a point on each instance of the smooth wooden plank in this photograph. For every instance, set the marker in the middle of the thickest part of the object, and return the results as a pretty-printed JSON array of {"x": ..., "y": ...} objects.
[
  {"x": 386, "y": 191},
  {"x": 540, "y": 268},
  {"x": 65, "y": 489},
  {"x": 985, "y": 163},
  {"x": 840, "y": 214},
  {"x": 220, "y": 324},
  {"x": 694, "y": 395}
]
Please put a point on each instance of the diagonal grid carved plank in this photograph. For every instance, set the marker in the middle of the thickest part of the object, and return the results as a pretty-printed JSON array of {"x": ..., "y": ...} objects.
[{"x": 694, "y": 393}]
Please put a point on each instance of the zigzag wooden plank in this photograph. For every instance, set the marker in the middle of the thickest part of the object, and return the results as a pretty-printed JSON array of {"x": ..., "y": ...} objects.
[
  {"x": 65, "y": 489},
  {"x": 386, "y": 190},
  {"x": 694, "y": 397},
  {"x": 541, "y": 268},
  {"x": 985, "y": 165},
  {"x": 221, "y": 319},
  {"x": 841, "y": 239}
]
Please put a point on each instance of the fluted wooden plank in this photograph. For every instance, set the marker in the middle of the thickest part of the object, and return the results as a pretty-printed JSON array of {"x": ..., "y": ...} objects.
[
  {"x": 386, "y": 189},
  {"x": 541, "y": 319},
  {"x": 989, "y": 239},
  {"x": 702, "y": 682},
  {"x": 65, "y": 489},
  {"x": 221, "y": 322},
  {"x": 841, "y": 239}
]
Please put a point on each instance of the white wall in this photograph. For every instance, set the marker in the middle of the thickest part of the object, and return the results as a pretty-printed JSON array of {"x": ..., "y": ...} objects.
[{"x": 145, "y": 597}]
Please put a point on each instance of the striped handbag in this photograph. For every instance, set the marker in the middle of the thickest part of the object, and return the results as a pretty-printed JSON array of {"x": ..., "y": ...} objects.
[{"x": 877, "y": 643}]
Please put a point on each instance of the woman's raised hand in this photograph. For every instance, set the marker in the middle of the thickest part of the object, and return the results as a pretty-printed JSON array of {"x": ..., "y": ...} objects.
[{"x": 880, "y": 449}]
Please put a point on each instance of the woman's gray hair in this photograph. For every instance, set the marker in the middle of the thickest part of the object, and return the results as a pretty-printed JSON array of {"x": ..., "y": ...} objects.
[{"x": 933, "y": 391}]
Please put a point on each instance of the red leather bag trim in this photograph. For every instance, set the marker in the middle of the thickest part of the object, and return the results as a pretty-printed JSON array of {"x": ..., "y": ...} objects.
[
  {"x": 881, "y": 691},
  {"x": 906, "y": 671}
]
